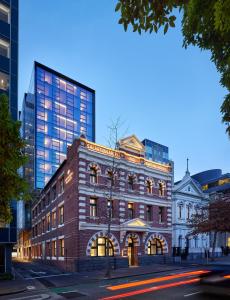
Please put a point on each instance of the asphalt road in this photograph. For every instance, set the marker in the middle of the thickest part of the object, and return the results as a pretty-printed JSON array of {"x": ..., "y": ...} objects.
[{"x": 50, "y": 283}]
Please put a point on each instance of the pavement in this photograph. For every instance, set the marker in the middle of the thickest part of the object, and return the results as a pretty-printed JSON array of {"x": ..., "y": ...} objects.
[{"x": 26, "y": 273}]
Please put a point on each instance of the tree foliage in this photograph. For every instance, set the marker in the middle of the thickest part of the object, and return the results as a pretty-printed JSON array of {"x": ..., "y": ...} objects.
[
  {"x": 12, "y": 185},
  {"x": 213, "y": 218},
  {"x": 205, "y": 23}
]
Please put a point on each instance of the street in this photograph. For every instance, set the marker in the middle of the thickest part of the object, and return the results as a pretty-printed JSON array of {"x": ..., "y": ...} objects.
[{"x": 46, "y": 282}]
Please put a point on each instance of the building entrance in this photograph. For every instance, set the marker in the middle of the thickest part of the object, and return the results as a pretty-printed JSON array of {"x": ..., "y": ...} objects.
[{"x": 131, "y": 252}]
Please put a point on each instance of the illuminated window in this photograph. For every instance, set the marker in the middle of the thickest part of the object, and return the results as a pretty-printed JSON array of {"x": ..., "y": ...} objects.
[
  {"x": 93, "y": 207},
  {"x": 161, "y": 214},
  {"x": 149, "y": 213},
  {"x": 54, "y": 217},
  {"x": 155, "y": 247},
  {"x": 99, "y": 247},
  {"x": 62, "y": 247},
  {"x": 62, "y": 84},
  {"x": 93, "y": 175},
  {"x": 149, "y": 186},
  {"x": 48, "y": 222},
  {"x": 83, "y": 95},
  {"x": 48, "y": 78},
  {"x": 4, "y": 13},
  {"x": 61, "y": 215},
  {"x": 161, "y": 189},
  {"x": 130, "y": 210},
  {"x": 54, "y": 248},
  {"x": 4, "y": 48},
  {"x": 4, "y": 81}
]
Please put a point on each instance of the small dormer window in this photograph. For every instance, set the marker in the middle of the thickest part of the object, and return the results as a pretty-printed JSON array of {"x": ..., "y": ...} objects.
[{"x": 189, "y": 188}]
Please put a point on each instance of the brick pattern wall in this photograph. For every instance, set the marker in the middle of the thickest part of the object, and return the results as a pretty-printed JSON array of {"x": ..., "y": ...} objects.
[{"x": 79, "y": 227}]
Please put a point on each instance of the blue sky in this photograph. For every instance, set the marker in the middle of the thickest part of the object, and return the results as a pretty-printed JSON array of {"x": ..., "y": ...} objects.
[{"x": 160, "y": 90}]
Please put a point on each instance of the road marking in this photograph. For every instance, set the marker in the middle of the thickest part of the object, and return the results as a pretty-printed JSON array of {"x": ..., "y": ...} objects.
[
  {"x": 30, "y": 287},
  {"x": 38, "y": 272},
  {"x": 55, "y": 275},
  {"x": 154, "y": 280},
  {"x": 104, "y": 285},
  {"x": 188, "y": 295},
  {"x": 152, "y": 289}
]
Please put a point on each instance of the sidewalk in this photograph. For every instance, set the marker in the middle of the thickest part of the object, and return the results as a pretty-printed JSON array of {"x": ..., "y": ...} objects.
[{"x": 10, "y": 287}]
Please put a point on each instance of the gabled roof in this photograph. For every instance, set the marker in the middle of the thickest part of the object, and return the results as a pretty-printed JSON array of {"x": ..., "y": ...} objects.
[
  {"x": 131, "y": 143},
  {"x": 188, "y": 186}
]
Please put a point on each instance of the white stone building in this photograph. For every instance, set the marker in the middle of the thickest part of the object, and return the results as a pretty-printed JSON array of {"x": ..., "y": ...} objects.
[{"x": 187, "y": 198}]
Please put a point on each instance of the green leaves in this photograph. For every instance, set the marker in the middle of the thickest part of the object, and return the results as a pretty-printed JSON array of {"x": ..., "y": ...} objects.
[
  {"x": 12, "y": 185},
  {"x": 205, "y": 24}
]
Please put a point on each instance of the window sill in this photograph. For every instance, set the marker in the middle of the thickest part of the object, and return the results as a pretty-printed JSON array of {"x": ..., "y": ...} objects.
[{"x": 61, "y": 225}]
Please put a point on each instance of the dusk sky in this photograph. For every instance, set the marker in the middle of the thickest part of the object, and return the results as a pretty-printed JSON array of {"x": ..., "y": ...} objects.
[{"x": 160, "y": 90}]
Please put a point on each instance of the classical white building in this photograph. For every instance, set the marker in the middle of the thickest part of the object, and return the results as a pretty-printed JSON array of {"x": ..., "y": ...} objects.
[{"x": 187, "y": 198}]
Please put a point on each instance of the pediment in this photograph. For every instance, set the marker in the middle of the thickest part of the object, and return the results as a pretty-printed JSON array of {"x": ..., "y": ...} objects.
[
  {"x": 189, "y": 187},
  {"x": 135, "y": 223},
  {"x": 131, "y": 143}
]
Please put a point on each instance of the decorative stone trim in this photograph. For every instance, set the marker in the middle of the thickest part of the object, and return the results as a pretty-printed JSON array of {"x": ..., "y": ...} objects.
[
  {"x": 135, "y": 237},
  {"x": 161, "y": 238},
  {"x": 82, "y": 163},
  {"x": 112, "y": 238}
]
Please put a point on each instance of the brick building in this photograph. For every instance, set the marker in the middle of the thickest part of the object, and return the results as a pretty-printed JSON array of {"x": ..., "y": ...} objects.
[{"x": 70, "y": 218}]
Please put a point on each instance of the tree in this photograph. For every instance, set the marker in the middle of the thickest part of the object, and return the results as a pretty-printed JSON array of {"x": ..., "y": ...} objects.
[
  {"x": 109, "y": 194},
  {"x": 12, "y": 185},
  {"x": 213, "y": 218},
  {"x": 205, "y": 23}
]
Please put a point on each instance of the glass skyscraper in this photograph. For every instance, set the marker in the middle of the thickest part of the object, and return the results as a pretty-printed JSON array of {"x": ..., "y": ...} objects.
[
  {"x": 56, "y": 110},
  {"x": 9, "y": 53},
  {"x": 156, "y": 152}
]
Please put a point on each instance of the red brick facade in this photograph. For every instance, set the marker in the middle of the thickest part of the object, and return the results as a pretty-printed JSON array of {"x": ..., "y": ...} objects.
[{"x": 70, "y": 219}]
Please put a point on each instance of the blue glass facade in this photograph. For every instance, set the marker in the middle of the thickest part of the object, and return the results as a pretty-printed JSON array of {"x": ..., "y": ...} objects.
[
  {"x": 9, "y": 53},
  {"x": 156, "y": 152},
  {"x": 63, "y": 109}
]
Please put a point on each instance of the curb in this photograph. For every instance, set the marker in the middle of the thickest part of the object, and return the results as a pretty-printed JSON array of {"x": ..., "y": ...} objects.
[
  {"x": 13, "y": 292},
  {"x": 147, "y": 273}
]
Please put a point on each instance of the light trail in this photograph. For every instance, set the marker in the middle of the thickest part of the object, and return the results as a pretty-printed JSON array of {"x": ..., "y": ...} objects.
[
  {"x": 154, "y": 280},
  {"x": 152, "y": 289}
]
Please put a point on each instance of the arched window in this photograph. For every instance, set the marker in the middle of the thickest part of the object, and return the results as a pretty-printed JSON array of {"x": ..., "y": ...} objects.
[
  {"x": 149, "y": 186},
  {"x": 98, "y": 247},
  {"x": 155, "y": 247},
  {"x": 130, "y": 182},
  {"x": 180, "y": 241},
  {"x": 93, "y": 175},
  {"x": 161, "y": 189}
]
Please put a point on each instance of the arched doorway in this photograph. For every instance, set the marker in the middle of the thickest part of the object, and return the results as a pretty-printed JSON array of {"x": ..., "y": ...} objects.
[
  {"x": 131, "y": 256},
  {"x": 132, "y": 243}
]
